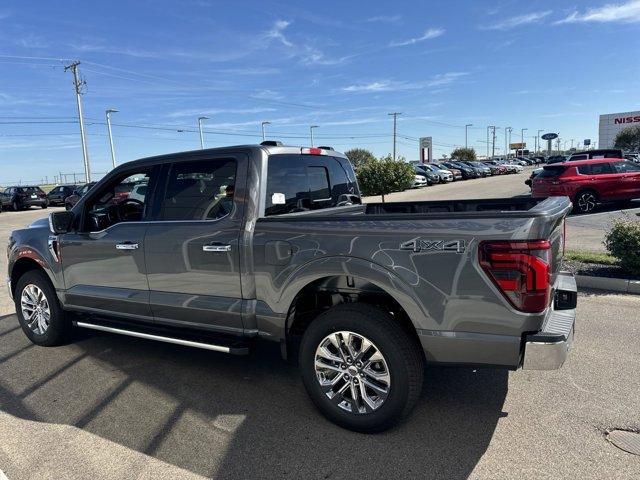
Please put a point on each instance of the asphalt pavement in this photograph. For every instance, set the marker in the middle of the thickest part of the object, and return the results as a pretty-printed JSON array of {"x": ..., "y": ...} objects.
[{"x": 115, "y": 407}]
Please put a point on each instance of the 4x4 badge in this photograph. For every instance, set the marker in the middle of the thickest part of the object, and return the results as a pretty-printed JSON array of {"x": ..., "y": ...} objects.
[{"x": 457, "y": 246}]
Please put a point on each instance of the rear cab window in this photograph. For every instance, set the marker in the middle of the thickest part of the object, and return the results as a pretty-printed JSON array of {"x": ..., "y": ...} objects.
[{"x": 298, "y": 183}]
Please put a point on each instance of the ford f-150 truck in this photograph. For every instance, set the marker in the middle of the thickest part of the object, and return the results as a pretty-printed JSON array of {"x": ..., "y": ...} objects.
[{"x": 233, "y": 245}]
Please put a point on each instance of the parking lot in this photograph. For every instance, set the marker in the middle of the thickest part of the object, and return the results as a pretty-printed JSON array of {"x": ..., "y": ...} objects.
[{"x": 114, "y": 407}]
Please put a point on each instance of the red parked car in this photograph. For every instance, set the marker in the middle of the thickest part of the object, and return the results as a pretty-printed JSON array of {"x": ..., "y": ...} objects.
[{"x": 589, "y": 182}]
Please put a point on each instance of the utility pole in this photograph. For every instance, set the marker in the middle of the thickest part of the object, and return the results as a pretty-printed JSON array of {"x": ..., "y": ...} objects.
[
  {"x": 395, "y": 120},
  {"x": 522, "y": 130},
  {"x": 488, "y": 128},
  {"x": 200, "y": 119},
  {"x": 311, "y": 132},
  {"x": 539, "y": 144},
  {"x": 262, "y": 125},
  {"x": 78, "y": 85},
  {"x": 113, "y": 153},
  {"x": 507, "y": 150},
  {"x": 466, "y": 127},
  {"x": 493, "y": 140}
]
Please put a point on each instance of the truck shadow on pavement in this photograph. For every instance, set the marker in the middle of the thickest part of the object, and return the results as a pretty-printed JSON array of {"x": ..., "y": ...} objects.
[{"x": 239, "y": 417}]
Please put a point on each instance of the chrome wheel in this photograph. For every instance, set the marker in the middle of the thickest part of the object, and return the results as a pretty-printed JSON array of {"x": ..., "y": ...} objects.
[
  {"x": 587, "y": 202},
  {"x": 352, "y": 372},
  {"x": 35, "y": 309}
]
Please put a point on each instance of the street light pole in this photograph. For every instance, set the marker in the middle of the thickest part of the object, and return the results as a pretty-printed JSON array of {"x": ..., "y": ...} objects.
[
  {"x": 395, "y": 120},
  {"x": 311, "y": 132},
  {"x": 200, "y": 119},
  {"x": 113, "y": 153},
  {"x": 263, "y": 124},
  {"x": 466, "y": 127},
  {"x": 507, "y": 150},
  {"x": 522, "y": 130}
]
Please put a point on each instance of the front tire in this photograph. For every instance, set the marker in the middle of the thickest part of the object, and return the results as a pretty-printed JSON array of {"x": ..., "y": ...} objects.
[
  {"x": 360, "y": 368},
  {"x": 39, "y": 313},
  {"x": 586, "y": 201},
  {"x": 16, "y": 206}
]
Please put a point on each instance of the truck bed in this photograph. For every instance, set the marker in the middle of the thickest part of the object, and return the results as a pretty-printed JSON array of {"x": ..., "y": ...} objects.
[{"x": 518, "y": 204}]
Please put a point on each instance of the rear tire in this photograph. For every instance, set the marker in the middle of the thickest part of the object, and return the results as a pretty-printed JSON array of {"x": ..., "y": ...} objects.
[
  {"x": 42, "y": 319},
  {"x": 586, "y": 201},
  {"x": 374, "y": 410}
]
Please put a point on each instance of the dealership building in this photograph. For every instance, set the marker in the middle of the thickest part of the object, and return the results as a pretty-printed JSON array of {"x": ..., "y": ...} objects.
[{"x": 612, "y": 123}]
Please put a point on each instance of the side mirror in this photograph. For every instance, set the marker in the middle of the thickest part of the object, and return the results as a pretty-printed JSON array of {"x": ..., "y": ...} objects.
[{"x": 60, "y": 222}]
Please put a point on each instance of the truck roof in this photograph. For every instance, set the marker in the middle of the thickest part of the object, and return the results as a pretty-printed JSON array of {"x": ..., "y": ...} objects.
[{"x": 268, "y": 149}]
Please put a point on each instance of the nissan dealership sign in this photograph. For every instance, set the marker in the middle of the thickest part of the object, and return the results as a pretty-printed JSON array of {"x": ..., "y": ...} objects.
[{"x": 612, "y": 123}]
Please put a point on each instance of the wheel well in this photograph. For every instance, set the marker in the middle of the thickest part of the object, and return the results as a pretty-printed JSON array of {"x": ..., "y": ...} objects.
[
  {"x": 327, "y": 292},
  {"x": 21, "y": 267}
]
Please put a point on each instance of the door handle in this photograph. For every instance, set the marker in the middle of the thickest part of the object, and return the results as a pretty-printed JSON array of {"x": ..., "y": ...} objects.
[
  {"x": 126, "y": 246},
  {"x": 216, "y": 248}
]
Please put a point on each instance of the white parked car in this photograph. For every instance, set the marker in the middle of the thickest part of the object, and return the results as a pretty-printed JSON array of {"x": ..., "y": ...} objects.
[{"x": 419, "y": 181}]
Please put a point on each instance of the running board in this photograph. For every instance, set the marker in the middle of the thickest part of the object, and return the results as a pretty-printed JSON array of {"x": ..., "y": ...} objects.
[{"x": 233, "y": 350}]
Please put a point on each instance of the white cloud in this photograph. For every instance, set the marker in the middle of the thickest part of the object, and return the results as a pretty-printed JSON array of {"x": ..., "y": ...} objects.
[
  {"x": 276, "y": 32},
  {"x": 429, "y": 34},
  {"x": 130, "y": 52},
  {"x": 518, "y": 21},
  {"x": 445, "y": 78},
  {"x": 628, "y": 12},
  {"x": 218, "y": 111},
  {"x": 394, "y": 85},
  {"x": 382, "y": 86},
  {"x": 393, "y": 19}
]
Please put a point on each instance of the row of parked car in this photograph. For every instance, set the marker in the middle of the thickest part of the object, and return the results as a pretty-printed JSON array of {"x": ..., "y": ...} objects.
[
  {"x": 24, "y": 197},
  {"x": 452, "y": 170}
]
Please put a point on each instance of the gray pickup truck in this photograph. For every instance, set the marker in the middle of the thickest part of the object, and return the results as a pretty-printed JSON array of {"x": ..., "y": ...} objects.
[{"x": 227, "y": 246}]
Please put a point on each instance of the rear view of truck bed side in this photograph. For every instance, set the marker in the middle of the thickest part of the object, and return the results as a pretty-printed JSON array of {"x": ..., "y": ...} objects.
[{"x": 473, "y": 277}]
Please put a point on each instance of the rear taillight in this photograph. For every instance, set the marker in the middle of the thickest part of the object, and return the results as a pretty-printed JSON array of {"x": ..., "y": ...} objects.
[{"x": 521, "y": 272}]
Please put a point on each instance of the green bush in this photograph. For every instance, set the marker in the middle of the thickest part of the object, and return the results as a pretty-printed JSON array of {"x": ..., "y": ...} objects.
[
  {"x": 623, "y": 241},
  {"x": 383, "y": 176},
  {"x": 359, "y": 156}
]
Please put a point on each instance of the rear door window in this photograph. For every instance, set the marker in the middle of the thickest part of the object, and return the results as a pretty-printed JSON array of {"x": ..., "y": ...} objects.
[
  {"x": 626, "y": 167},
  {"x": 595, "y": 169}
]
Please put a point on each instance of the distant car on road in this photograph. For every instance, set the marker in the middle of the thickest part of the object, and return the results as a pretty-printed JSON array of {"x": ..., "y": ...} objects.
[
  {"x": 71, "y": 200},
  {"x": 21, "y": 198},
  {"x": 59, "y": 194},
  {"x": 589, "y": 182}
]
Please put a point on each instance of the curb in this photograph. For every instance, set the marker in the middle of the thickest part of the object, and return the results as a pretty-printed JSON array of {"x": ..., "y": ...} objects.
[{"x": 619, "y": 285}]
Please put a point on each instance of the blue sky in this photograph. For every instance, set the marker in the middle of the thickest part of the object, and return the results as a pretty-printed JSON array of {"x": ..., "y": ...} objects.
[{"x": 341, "y": 65}]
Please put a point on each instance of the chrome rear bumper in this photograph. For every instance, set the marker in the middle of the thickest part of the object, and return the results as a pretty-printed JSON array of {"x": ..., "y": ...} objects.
[{"x": 548, "y": 349}]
